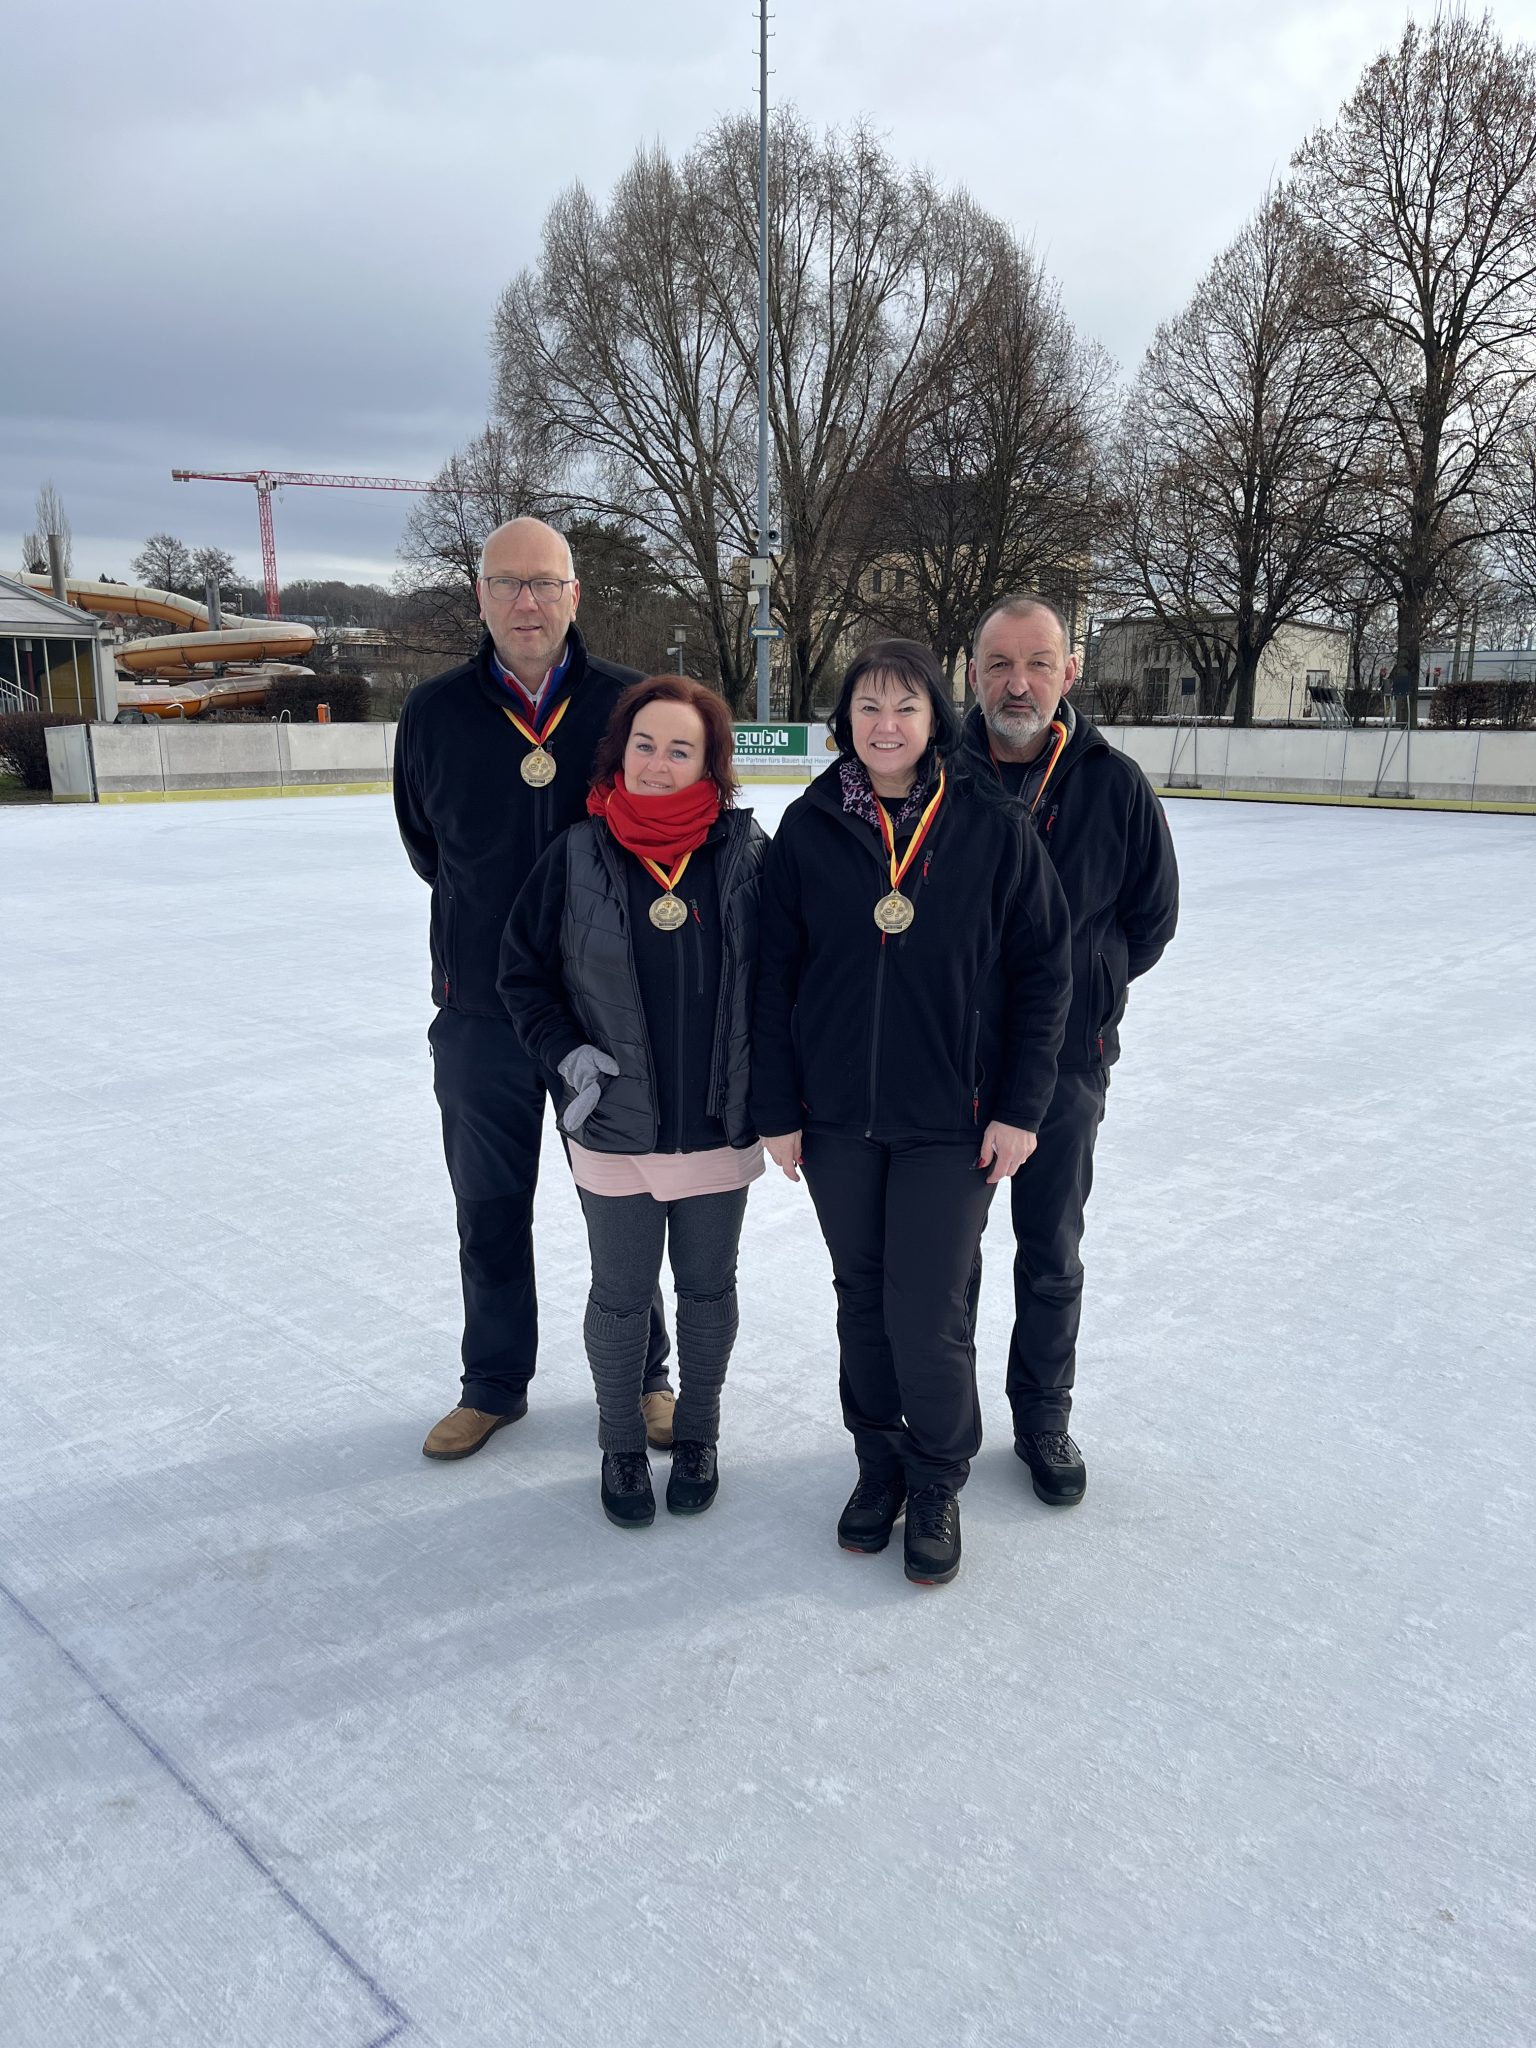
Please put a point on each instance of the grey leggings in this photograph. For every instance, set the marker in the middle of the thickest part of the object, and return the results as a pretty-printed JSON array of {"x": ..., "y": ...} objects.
[{"x": 627, "y": 1233}]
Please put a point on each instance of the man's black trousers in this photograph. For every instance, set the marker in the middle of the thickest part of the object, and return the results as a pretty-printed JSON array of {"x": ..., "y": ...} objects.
[
  {"x": 1050, "y": 1193},
  {"x": 492, "y": 1100},
  {"x": 902, "y": 1222}
]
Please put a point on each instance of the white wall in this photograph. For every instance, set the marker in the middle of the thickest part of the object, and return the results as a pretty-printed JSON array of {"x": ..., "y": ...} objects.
[
  {"x": 157, "y": 759},
  {"x": 1488, "y": 767},
  {"x": 1323, "y": 761}
]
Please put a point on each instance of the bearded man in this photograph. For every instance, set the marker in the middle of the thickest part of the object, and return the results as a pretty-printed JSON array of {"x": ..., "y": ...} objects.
[{"x": 1103, "y": 827}]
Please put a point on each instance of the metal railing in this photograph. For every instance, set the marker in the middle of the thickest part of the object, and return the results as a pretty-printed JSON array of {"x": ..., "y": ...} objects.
[{"x": 13, "y": 697}]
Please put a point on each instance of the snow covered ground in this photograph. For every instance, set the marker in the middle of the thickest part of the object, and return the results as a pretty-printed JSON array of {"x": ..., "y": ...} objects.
[{"x": 308, "y": 1743}]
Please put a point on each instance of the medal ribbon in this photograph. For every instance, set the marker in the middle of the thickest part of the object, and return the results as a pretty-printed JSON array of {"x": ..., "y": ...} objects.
[
  {"x": 538, "y": 739},
  {"x": 1062, "y": 737},
  {"x": 888, "y": 834},
  {"x": 668, "y": 882},
  {"x": 1060, "y": 731}
]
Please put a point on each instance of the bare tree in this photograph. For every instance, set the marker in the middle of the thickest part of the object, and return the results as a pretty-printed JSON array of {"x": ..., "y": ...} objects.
[
  {"x": 994, "y": 484},
  {"x": 629, "y": 356},
  {"x": 874, "y": 287},
  {"x": 215, "y": 566},
  {"x": 1426, "y": 188},
  {"x": 478, "y": 488},
  {"x": 1233, "y": 459},
  {"x": 163, "y": 563},
  {"x": 1514, "y": 558},
  {"x": 615, "y": 360},
  {"x": 50, "y": 517}
]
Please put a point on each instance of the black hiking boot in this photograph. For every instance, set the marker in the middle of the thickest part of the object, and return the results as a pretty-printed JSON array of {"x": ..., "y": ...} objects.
[
  {"x": 628, "y": 1501},
  {"x": 867, "y": 1521},
  {"x": 695, "y": 1478},
  {"x": 933, "y": 1535},
  {"x": 1061, "y": 1477}
]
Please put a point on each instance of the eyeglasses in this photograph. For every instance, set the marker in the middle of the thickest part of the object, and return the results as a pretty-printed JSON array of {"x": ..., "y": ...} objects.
[{"x": 546, "y": 589}]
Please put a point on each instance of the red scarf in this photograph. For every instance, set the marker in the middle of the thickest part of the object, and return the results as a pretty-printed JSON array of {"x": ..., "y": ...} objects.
[{"x": 660, "y": 828}]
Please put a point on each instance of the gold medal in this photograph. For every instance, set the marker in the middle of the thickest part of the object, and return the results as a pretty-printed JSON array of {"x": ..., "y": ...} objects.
[
  {"x": 895, "y": 912},
  {"x": 669, "y": 913}
]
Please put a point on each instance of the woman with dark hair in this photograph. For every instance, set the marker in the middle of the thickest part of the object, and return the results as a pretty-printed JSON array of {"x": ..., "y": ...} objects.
[
  {"x": 914, "y": 973},
  {"x": 628, "y": 966}
]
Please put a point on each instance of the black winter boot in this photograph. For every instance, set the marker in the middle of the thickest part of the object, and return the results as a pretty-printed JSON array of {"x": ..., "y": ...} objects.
[
  {"x": 628, "y": 1501},
  {"x": 1061, "y": 1477},
  {"x": 695, "y": 1478},
  {"x": 867, "y": 1521},
  {"x": 933, "y": 1535}
]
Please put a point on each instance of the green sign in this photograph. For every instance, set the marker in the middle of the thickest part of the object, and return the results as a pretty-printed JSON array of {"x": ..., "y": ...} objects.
[{"x": 772, "y": 742}]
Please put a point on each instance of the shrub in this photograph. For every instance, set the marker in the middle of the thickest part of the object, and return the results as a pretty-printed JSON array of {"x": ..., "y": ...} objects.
[
  {"x": 1113, "y": 702},
  {"x": 1504, "y": 704},
  {"x": 348, "y": 696},
  {"x": 1363, "y": 704},
  {"x": 23, "y": 750}
]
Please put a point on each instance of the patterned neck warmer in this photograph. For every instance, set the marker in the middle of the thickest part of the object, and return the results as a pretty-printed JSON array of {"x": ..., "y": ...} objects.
[{"x": 860, "y": 801}]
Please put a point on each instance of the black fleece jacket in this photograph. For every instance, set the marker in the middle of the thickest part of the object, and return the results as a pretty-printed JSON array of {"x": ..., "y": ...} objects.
[
  {"x": 472, "y": 827},
  {"x": 1101, "y": 823},
  {"x": 932, "y": 1033}
]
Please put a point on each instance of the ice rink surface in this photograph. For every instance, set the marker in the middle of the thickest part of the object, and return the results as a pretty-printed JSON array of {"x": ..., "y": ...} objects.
[{"x": 306, "y": 1742}]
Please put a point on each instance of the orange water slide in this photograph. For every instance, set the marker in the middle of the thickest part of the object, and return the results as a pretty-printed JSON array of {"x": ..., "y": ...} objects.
[{"x": 169, "y": 655}]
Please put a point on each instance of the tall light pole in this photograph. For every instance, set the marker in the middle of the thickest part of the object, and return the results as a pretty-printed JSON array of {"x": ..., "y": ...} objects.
[{"x": 764, "y": 622}]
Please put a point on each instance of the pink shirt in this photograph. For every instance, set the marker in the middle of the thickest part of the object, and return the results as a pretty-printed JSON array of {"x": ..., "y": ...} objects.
[{"x": 666, "y": 1176}]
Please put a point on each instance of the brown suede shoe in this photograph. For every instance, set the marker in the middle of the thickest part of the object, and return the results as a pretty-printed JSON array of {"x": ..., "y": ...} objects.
[
  {"x": 657, "y": 1410},
  {"x": 463, "y": 1432}
]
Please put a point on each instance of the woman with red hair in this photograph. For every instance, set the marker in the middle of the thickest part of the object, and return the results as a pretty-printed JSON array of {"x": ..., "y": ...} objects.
[{"x": 628, "y": 967}]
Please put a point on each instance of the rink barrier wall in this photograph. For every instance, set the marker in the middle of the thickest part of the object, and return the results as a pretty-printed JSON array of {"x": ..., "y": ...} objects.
[
  {"x": 1357, "y": 765},
  {"x": 165, "y": 762},
  {"x": 1361, "y": 765}
]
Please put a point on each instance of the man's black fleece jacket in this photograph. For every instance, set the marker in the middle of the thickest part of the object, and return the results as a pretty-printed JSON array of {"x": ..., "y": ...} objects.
[
  {"x": 1101, "y": 823},
  {"x": 472, "y": 827}
]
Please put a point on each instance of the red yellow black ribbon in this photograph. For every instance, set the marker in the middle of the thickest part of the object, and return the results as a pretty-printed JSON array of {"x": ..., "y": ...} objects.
[
  {"x": 888, "y": 834},
  {"x": 534, "y": 738},
  {"x": 1060, "y": 731}
]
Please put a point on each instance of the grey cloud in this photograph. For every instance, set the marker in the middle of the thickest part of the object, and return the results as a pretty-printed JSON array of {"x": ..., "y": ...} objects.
[{"x": 279, "y": 239}]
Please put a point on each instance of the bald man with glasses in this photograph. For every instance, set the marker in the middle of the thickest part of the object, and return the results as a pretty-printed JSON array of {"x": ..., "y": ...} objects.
[{"x": 492, "y": 762}]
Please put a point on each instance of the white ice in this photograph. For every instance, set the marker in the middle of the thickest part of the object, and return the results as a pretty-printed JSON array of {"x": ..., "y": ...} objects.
[{"x": 308, "y": 1743}]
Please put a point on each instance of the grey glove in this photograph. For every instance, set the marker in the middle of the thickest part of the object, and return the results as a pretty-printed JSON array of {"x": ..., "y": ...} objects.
[{"x": 582, "y": 1072}]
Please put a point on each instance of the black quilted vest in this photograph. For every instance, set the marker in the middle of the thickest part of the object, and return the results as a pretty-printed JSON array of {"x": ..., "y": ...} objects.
[{"x": 597, "y": 967}]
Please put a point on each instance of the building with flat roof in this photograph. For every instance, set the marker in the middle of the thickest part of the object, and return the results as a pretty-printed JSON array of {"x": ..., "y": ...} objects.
[
  {"x": 1137, "y": 655},
  {"x": 53, "y": 657}
]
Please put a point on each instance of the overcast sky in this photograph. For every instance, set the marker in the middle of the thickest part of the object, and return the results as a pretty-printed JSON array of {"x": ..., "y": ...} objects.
[{"x": 276, "y": 238}]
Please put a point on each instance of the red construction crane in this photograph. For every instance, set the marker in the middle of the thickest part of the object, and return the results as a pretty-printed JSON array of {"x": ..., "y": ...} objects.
[{"x": 269, "y": 480}]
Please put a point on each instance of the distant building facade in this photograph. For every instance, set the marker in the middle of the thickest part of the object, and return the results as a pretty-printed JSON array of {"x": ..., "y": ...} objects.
[
  {"x": 1485, "y": 665},
  {"x": 52, "y": 656},
  {"x": 1138, "y": 670}
]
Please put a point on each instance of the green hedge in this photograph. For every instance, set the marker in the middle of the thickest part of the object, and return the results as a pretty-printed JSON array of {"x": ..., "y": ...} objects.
[{"x": 23, "y": 750}]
